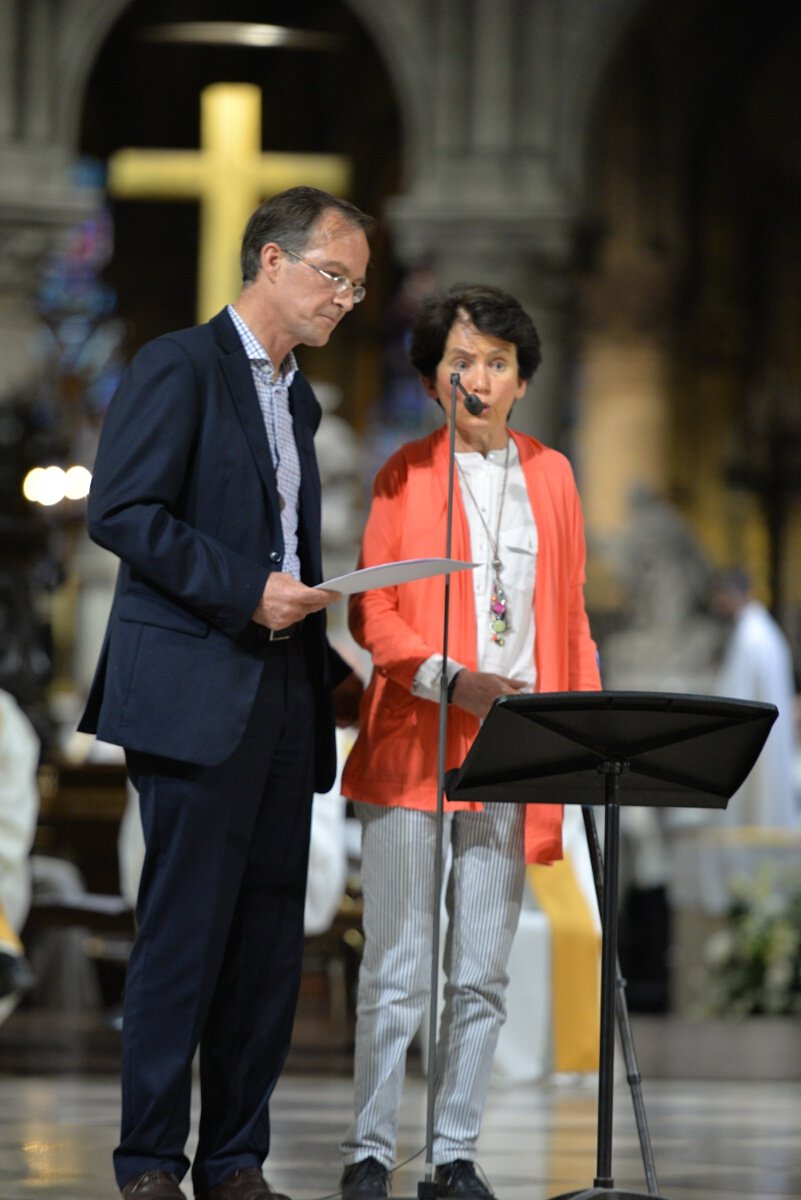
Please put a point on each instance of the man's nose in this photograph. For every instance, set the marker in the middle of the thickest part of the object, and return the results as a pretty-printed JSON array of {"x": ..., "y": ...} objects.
[{"x": 345, "y": 299}]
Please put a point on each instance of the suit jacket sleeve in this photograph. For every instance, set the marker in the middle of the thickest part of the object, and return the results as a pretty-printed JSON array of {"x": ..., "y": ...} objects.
[{"x": 144, "y": 491}]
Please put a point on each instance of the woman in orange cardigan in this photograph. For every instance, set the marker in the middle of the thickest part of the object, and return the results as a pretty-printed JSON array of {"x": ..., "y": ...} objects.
[{"x": 517, "y": 623}]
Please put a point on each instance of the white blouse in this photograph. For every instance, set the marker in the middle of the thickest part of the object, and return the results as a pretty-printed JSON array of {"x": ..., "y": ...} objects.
[{"x": 518, "y": 557}]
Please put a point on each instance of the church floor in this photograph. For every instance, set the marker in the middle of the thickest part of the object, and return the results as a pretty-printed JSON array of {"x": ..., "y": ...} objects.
[{"x": 732, "y": 1139}]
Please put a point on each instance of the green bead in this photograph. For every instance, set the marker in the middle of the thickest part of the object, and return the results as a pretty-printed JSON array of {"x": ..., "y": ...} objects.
[{"x": 498, "y": 626}]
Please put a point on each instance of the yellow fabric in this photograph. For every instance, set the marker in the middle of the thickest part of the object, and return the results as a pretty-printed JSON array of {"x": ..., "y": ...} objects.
[
  {"x": 8, "y": 938},
  {"x": 575, "y": 966}
]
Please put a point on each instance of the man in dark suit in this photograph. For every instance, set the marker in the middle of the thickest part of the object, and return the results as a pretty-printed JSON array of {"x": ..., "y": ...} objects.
[{"x": 216, "y": 678}]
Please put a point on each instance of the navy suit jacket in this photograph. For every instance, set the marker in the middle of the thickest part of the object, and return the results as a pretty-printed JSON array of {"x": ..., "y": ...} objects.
[{"x": 184, "y": 492}]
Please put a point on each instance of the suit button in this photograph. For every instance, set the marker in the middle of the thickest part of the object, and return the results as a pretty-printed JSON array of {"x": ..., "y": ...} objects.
[{"x": 276, "y": 557}]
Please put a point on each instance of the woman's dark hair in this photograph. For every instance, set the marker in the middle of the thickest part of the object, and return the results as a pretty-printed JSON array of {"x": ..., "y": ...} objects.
[
  {"x": 491, "y": 310},
  {"x": 288, "y": 219}
]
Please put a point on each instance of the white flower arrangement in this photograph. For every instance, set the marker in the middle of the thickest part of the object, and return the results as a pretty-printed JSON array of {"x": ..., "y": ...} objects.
[{"x": 753, "y": 965}]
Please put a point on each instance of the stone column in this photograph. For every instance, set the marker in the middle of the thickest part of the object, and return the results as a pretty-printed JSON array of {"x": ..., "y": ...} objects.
[
  {"x": 45, "y": 45},
  {"x": 38, "y": 200},
  {"x": 486, "y": 202}
]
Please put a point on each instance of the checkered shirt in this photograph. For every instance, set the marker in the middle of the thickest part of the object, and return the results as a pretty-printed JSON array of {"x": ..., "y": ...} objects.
[{"x": 272, "y": 389}]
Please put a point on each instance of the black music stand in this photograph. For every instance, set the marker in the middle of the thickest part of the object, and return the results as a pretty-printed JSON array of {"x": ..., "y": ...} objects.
[{"x": 649, "y": 748}]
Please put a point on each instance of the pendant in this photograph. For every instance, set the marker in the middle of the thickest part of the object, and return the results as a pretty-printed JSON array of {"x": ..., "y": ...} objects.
[{"x": 498, "y": 624}]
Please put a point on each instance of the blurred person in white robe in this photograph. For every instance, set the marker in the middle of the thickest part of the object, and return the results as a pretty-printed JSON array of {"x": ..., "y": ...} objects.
[
  {"x": 757, "y": 664},
  {"x": 710, "y": 851}
]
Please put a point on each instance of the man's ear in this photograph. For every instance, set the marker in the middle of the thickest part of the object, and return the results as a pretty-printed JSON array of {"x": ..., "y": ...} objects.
[{"x": 270, "y": 256}]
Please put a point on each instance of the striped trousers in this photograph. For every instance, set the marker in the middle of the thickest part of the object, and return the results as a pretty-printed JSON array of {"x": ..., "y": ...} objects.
[{"x": 483, "y": 897}]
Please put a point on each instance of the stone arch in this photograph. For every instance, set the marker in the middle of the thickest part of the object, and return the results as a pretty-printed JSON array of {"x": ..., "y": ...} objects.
[
  {"x": 87, "y": 24},
  {"x": 405, "y": 35},
  {"x": 395, "y": 28},
  {"x": 594, "y": 39},
  {"x": 514, "y": 210},
  {"x": 402, "y": 32}
]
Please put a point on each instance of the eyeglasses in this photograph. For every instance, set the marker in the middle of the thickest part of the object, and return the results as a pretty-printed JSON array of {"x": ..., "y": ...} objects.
[{"x": 341, "y": 282}]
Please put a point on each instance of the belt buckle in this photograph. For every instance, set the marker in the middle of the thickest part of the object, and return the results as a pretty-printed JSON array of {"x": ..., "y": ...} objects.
[{"x": 281, "y": 635}]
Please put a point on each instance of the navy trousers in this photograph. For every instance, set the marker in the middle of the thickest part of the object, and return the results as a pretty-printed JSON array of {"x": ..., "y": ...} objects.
[{"x": 217, "y": 957}]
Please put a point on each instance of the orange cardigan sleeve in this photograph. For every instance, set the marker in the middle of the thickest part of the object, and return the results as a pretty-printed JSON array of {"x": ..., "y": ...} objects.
[
  {"x": 376, "y": 617},
  {"x": 584, "y": 673}
]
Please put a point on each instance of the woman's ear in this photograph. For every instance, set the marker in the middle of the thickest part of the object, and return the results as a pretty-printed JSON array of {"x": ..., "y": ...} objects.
[{"x": 429, "y": 387}]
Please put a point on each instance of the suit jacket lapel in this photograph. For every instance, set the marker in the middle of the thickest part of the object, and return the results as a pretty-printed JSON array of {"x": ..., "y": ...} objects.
[
  {"x": 238, "y": 375},
  {"x": 305, "y": 417}
]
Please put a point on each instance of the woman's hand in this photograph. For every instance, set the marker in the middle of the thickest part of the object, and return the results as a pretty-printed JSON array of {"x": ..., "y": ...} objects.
[{"x": 474, "y": 691}]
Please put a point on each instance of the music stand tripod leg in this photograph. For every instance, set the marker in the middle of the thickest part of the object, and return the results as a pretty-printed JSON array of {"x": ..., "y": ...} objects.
[
  {"x": 633, "y": 1076},
  {"x": 604, "y": 1185}
]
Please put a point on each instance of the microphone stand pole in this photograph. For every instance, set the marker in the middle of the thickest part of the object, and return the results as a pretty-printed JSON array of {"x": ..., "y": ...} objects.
[{"x": 427, "y": 1190}]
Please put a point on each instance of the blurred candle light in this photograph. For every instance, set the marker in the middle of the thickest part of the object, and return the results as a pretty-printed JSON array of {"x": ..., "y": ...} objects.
[
  {"x": 50, "y": 485},
  {"x": 32, "y": 484},
  {"x": 76, "y": 483}
]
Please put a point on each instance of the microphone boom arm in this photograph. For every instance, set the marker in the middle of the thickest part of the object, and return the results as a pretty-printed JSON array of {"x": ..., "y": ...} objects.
[{"x": 471, "y": 402}]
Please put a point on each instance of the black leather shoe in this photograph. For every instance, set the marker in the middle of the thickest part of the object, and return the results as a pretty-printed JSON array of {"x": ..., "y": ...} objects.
[
  {"x": 367, "y": 1179},
  {"x": 460, "y": 1179},
  {"x": 153, "y": 1185},
  {"x": 246, "y": 1184}
]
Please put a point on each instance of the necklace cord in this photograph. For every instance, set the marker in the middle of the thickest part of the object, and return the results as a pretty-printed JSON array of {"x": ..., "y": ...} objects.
[{"x": 499, "y": 623}]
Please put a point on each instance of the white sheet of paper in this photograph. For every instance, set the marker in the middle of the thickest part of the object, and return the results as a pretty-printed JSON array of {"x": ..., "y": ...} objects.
[{"x": 388, "y": 574}]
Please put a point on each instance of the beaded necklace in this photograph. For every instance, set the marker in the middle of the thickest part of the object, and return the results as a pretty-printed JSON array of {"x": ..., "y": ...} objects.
[{"x": 498, "y": 619}]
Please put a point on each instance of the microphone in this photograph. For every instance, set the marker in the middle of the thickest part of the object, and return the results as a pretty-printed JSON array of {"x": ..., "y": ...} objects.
[{"x": 471, "y": 402}]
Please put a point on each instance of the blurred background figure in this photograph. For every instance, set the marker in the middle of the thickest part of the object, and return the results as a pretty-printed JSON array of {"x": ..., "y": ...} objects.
[
  {"x": 19, "y": 806},
  {"x": 722, "y": 862},
  {"x": 757, "y": 664}
]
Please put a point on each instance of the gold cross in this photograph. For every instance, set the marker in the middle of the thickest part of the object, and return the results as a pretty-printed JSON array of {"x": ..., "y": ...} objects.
[{"x": 229, "y": 175}]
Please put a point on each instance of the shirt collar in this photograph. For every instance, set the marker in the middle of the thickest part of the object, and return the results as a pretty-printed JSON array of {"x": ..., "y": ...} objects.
[{"x": 257, "y": 354}]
